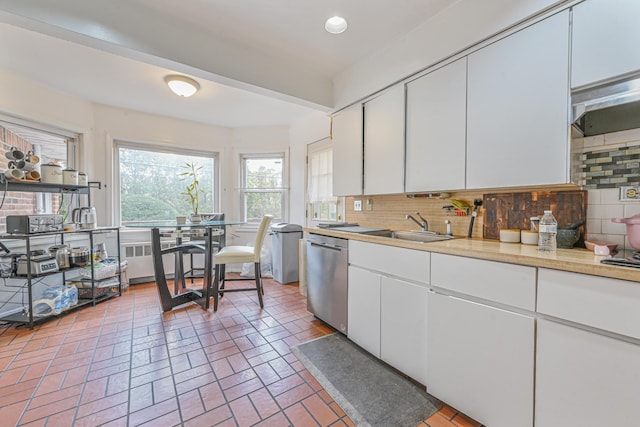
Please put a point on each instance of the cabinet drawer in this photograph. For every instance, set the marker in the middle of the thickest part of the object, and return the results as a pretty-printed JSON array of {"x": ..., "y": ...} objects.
[
  {"x": 409, "y": 264},
  {"x": 503, "y": 283},
  {"x": 609, "y": 304}
]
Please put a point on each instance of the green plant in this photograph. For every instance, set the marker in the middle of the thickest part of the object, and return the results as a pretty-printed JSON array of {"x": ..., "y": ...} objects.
[{"x": 192, "y": 190}]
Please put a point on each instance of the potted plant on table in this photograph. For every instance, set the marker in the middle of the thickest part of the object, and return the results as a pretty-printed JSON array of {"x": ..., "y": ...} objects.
[{"x": 192, "y": 190}]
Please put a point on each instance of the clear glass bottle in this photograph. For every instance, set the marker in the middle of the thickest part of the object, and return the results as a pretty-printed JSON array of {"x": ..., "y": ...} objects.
[{"x": 548, "y": 230}]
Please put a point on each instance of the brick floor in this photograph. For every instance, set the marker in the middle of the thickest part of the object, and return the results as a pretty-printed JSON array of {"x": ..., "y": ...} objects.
[{"x": 126, "y": 363}]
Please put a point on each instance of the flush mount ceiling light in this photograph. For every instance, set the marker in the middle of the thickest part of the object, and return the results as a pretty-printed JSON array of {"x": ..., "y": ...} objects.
[
  {"x": 182, "y": 85},
  {"x": 335, "y": 25}
]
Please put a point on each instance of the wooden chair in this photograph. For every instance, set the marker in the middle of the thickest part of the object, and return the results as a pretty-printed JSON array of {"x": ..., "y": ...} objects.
[{"x": 240, "y": 254}]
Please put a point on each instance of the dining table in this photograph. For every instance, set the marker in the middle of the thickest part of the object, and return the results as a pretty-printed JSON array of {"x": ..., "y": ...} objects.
[{"x": 204, "y": 230}]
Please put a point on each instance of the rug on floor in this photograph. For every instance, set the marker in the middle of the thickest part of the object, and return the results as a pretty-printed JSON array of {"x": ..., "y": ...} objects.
[{"x": 370, "y": 393}]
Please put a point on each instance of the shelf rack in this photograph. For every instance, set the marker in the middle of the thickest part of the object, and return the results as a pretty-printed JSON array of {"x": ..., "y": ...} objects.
[{"x": 27, "y": 317}]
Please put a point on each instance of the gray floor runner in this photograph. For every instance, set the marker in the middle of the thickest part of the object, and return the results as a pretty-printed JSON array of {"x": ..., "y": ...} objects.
[{"x": 370, "y": 392}]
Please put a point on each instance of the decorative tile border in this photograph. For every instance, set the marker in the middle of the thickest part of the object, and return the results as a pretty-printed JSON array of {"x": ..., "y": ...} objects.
[{"x": 611, "y": 168}]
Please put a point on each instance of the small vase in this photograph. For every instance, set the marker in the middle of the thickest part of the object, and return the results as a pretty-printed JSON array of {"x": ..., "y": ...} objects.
[{"x": 195, "y": 218}]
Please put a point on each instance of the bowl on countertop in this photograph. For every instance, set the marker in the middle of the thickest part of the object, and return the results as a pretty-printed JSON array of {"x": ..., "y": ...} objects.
[
  {"x": 567, "y": 237},
  {"x": 509, "y": 235},
  {"x": 591, "y": 245},
  {"x": 529, "y": 237}
]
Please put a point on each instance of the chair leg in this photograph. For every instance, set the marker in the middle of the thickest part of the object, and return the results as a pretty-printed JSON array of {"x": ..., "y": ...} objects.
[
  {"x": 259, "y": 283},
  {"x": 222, "y": 276},
  {"x": 216, "y": 284}
]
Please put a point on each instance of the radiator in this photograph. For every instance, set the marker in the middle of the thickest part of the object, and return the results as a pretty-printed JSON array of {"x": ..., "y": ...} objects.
[{"x": 140, "y": 261}]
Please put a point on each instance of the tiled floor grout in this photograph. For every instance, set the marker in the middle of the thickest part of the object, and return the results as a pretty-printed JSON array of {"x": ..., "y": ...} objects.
[{"x": 185, "y": 367}]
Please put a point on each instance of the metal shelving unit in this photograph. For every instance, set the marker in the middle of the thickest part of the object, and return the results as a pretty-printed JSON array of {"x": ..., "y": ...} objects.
[
  {"x": 30, "y": 279},
  {"x": 28, "y": 316}
]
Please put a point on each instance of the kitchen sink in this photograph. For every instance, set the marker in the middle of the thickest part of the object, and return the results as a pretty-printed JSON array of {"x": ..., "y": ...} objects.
[{"x": 420, "y": 236}]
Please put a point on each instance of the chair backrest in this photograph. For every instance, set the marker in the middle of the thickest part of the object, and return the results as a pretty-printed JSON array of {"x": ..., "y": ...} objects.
[
  {"x": 212, "y": 216},
  {"x": 262, "y": 231}
]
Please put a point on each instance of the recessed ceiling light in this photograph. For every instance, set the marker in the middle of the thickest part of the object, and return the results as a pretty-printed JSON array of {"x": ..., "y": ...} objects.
[
  {"x": 335, "y": 25},
  {"x": 182, "y": 85}
]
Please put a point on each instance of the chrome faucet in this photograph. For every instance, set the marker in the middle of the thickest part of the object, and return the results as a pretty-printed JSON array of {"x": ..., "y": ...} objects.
[{"x": 424, "y": 225}]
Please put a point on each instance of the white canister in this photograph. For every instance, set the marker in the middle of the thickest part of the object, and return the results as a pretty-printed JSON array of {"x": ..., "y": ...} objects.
[
  {"x": 82, "y": 179},
  {"x": 51, "y": 173},
  {"x": 70, "y": 177}
]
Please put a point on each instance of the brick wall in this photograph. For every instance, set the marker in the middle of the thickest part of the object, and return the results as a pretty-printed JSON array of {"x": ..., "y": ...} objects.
[{"x": 15, "y": 203}]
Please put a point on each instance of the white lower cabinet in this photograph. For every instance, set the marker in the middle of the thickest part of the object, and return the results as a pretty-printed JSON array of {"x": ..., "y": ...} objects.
[
  {"x": 387, "y": 304},
  {"x": 363, "y": 309},
  {"x": 403, "y": 327},
  {"x": 585, "y": 379},
  {"x": 587, "y": 368},
  {"x": 480, "y": 360},
  {"x": 480, "y": 338}
]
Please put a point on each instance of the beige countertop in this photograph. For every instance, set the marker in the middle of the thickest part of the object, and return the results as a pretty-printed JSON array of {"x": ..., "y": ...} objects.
[{"x": 574, "y": 260}]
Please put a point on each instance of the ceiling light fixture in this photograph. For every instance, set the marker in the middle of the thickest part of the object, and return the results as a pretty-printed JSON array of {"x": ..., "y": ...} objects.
[
  {"x": 335, "y": 25},
  {"x": 182, "y": 85}
]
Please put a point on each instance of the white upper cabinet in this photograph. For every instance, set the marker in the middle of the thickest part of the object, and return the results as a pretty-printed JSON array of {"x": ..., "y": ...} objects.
[
  {"x": 384, "y": 143},
  {"x": 605, "y": 40},
  {"x": 347, "y": 151},
  {"x": 517, "y": 108},
  {"x": 436, "y": 129}
]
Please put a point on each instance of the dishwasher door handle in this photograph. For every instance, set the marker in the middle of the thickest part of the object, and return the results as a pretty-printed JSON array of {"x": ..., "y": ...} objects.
[{"x": 325, "y": 246}]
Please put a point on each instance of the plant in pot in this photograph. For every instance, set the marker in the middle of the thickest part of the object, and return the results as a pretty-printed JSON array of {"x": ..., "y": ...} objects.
[{"x": 192, "y": 190}]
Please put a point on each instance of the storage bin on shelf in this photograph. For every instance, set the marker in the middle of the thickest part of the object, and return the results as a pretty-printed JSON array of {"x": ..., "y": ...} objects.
[{"x": 101, "y": 270}]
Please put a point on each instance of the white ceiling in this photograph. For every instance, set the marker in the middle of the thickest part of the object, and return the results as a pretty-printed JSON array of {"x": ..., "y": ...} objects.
[{"x": 256, "y": 60}]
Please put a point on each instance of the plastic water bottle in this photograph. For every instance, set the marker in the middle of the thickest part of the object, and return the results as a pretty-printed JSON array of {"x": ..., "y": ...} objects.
[{"x": 548, "y": 230}]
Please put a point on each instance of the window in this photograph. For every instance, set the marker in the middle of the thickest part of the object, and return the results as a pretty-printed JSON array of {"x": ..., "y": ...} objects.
[
  {"x": 51, "y": 145},
  {"x": 323, "y": 205},
  {"x": 150, "y": 186},
  {"x": 263, "y": 190}
]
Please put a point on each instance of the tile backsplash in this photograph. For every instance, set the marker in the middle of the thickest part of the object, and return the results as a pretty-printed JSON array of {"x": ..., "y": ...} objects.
[
  {"x": 602, "y": 164},
  {"x": 603, "y": 205}
]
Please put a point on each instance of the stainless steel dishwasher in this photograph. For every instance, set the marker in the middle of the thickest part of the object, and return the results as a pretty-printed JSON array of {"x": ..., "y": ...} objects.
[{"x": 327, "y": 265}]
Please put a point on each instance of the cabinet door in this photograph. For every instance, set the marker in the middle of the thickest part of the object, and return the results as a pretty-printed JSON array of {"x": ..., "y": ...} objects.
[
  {"x": 480, "y": 360},
  {"x": 517, "y": 122},
  {"x": 347, "y": 151},
  {"x": 604, "y": 35},
  {"x": 436, "y": 129},
  {"x": 384, "y": 143},
  {"x": 363, "y": 309},
  {"x": 403, "y": 324},
  {"x": 585, "y": 379}
]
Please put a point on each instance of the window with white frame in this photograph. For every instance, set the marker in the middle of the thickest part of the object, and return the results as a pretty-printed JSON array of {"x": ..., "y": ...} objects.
[
  {"x": 152, "y": 181},
  {"x": 48, "y": 145},
  {"x": 263, "y": 188},
  {"x": 324, "y": 206}
]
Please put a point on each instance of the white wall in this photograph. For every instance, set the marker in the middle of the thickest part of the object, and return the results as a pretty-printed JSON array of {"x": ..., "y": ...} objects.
[
  {"x": 456, "y": 28},
  {"x": 26, "y": 99},
  {"x": 312, "y": 128}
]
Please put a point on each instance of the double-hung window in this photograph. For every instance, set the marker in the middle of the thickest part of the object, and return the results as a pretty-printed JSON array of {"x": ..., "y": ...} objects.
[
  {"x": 150, "y": 184},
  {"x": 263, "y": 189}
]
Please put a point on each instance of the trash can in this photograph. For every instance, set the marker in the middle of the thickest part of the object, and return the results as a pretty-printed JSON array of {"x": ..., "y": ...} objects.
[{"x": 285, "y": 253}]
